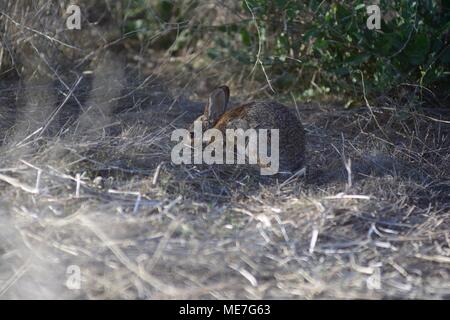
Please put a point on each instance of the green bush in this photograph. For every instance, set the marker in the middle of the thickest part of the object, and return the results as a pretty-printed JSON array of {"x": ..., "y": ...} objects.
[
  {"x": 321, "y": 47},
  {"x": 313, "y": 48}
]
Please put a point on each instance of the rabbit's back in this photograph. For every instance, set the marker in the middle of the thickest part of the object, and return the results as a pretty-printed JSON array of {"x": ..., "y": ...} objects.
[{"x": 270, "y": 115}]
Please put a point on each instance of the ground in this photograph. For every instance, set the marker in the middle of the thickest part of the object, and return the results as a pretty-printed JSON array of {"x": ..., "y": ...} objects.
[{"x": 89, "y": 187}]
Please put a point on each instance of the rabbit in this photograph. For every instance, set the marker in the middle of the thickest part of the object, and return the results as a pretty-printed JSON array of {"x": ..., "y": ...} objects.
[{"x": 258, "y": 115}]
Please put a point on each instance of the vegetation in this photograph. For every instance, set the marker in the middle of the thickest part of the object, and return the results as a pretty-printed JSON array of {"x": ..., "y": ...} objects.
[
  {"x": 87, "y": 181},
  {"x": 314, "y": 48}
]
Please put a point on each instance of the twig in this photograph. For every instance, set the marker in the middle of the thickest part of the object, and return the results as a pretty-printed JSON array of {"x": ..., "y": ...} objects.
[
  {"x": 370, "y": 107},
  {"x": 156, "y": 175},
  {"x": 300, "y": 172},
  {"x": 247, "y": 275},
  {"x": 15, "y": 277},
  {"x": 258, "y": 55},
  {"x": 439, "y": 259},
  {"x": 16, "y": 183},
  {"x": 77, "y": 190},
  {"x": 53, "y": 115},
  {"x": 314, "y": 236},
  {"x": 162, "y": 244},
  {"x": 38, "y": 176},
  {"x": 29, "y": 136},
  {"x": 38, "y": 32},
  {"x": 137, "y": 203}
]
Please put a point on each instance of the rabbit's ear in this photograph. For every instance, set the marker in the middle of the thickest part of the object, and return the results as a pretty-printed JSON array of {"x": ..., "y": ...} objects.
[
  {"x": 217, "y": 103},
  {"x": 226, "y": 91}
]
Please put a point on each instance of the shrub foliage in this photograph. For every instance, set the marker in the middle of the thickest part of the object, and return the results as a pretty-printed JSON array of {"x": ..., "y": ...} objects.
[{"x": 317, "y": 47}]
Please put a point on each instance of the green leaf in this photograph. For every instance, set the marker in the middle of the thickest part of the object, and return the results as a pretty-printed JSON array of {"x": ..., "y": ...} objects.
[
  {"x": 245, "y": 36},
  {"x": 417, "y": 49},
  {"x": 320, "y": 44},
  {"x": 213, "y": 53},
  {"x": 358, "y": 59}
]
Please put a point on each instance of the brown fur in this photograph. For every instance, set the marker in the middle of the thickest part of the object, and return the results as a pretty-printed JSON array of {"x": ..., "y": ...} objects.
[
  {"x": 238, "y": 112},
  {"x": 259, "y": 115}
]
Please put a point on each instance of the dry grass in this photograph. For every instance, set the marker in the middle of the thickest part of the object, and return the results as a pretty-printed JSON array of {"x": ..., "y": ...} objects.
[
  {"x": 86, "y": 180},
  {"x": 140, "y": 227}
]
